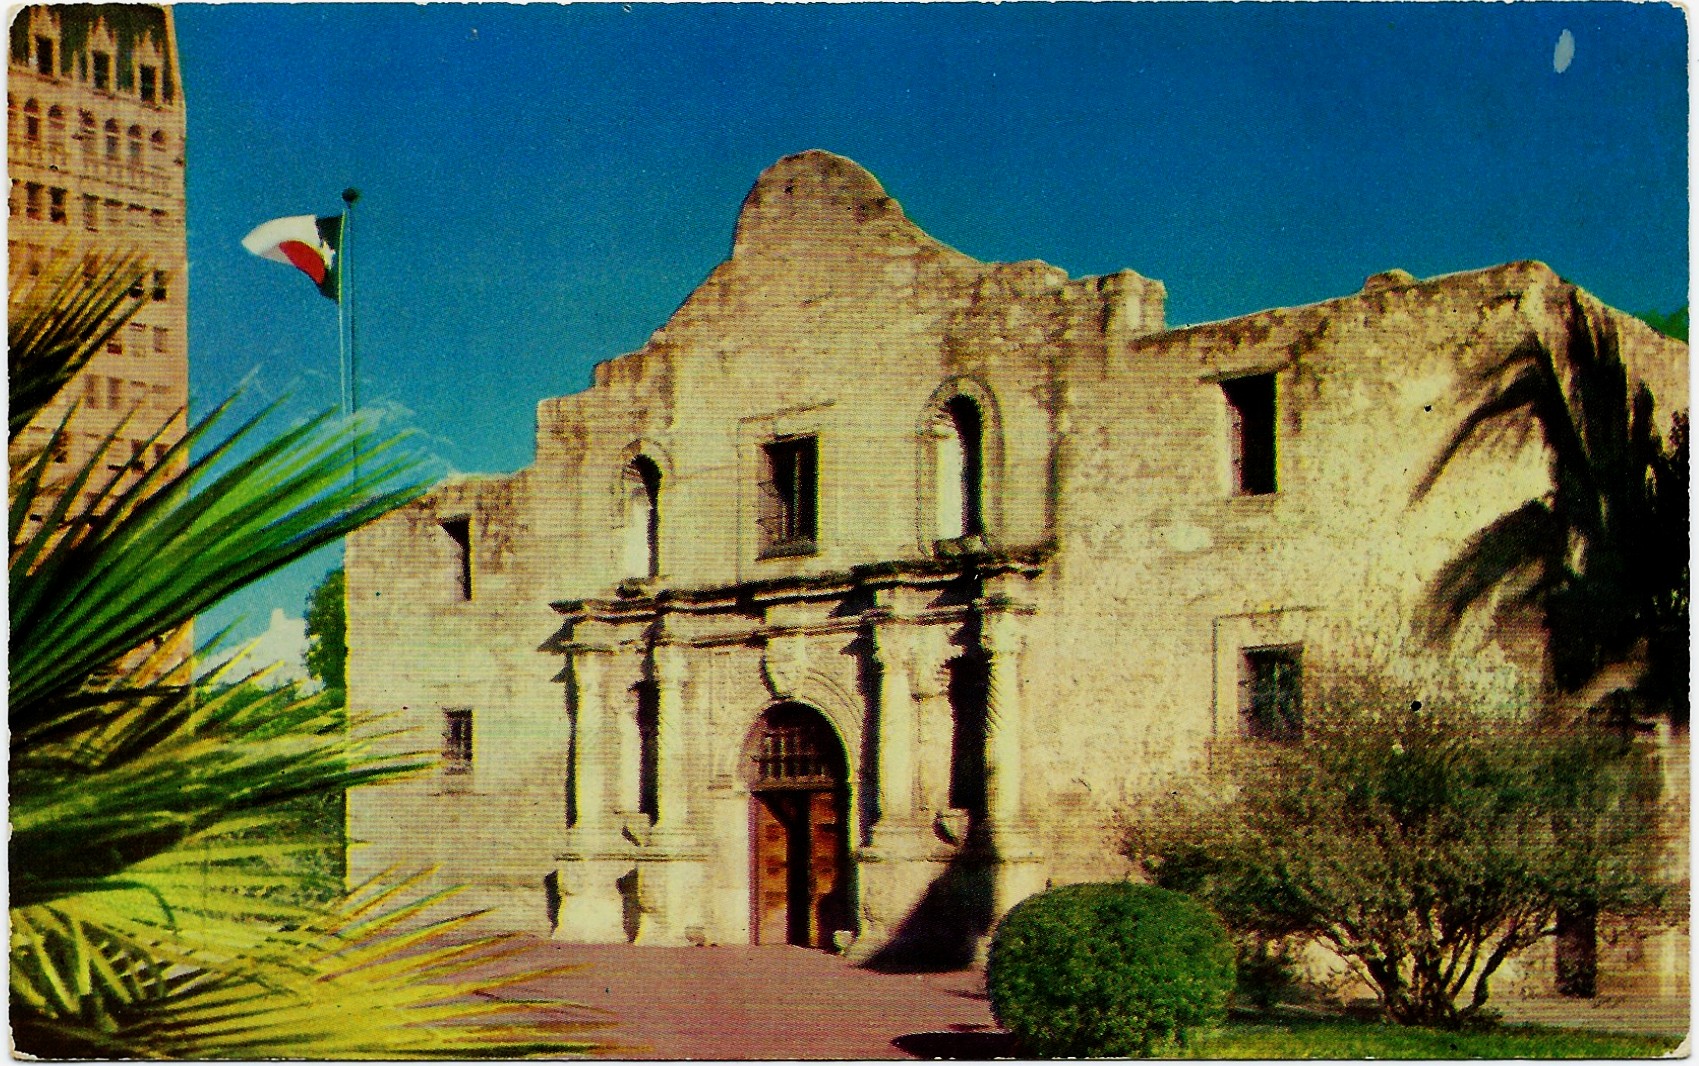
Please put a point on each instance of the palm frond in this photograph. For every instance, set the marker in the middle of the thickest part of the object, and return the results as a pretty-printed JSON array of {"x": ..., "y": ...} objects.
[
  {"x": 164, "y": 550},
  {"x": 59, "y": 319}
]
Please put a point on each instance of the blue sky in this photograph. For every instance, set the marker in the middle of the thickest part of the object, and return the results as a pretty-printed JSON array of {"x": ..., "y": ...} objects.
[{"x": 542, "y": 185}]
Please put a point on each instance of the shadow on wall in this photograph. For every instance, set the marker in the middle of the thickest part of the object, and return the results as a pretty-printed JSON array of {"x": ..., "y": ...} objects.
[{"x": 948, "y": 925}]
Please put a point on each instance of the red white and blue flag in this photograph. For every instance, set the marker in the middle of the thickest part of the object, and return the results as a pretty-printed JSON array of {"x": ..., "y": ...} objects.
[{"x": 307, "y": 242}]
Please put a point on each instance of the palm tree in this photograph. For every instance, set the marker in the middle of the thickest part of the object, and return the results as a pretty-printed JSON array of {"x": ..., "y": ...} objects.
[
  {"x": 155, "y": 908},
  {"x": 1601, "y": 557}
]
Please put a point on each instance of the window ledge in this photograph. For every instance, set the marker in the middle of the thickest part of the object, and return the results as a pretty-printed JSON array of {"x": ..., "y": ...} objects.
[
  {"x": 954, "y": 547},
  {"x": 789, "y": 549}
]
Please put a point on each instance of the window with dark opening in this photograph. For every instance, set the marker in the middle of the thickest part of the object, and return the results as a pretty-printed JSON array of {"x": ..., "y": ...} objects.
[
  {"x": 1272, "y": 699},
  {"x": 32, "y": 121},
  {"x": 961, "y": 470},
  {"x": 44, "y": 55},
  {"x": 788, "y": 517},
  {"x": 457, "y": 740},
  {"x": 1250, "y": 410},
  {"x": 56, "y": 206},
  {"x": 102, "y": 71},
  {"x": 149, "y": 79},
  {"x": 161, "y": 287},
  {"x": 648, "y": 748},
  {"x": 642, "y": 518},
  {"x": 459, "y": 531}
]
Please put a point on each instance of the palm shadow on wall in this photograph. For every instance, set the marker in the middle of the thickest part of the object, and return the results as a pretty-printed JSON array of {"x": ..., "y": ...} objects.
[{"x": 1601, "y": 558}]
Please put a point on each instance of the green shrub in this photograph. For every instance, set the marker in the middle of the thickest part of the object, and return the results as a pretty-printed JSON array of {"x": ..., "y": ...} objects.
[{"x": 1108, "y": 970}]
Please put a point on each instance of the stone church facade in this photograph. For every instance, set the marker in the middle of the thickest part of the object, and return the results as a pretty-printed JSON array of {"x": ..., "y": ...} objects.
[{"x": 851, "y": 608}]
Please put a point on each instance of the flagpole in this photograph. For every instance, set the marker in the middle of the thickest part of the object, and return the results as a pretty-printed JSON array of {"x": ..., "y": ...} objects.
[{"x": 346, "y": 300}]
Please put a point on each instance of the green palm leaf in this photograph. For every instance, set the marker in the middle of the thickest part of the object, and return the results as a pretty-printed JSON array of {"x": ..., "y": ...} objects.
[{"x": 161, "y": 885}]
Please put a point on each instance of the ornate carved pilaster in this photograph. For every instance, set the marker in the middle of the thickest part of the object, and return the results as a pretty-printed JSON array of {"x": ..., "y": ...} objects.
[
  {"x": 672, "y": 777},
  {"x": 896, "y": 723},
  {"x": 1003, "y": 642},
  {"x": 591, "y": 740}
]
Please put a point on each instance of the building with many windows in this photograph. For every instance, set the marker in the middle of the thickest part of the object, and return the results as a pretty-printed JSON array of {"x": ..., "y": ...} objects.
[
  {"x": 95, "y": 150},
  {"x": 851, "y": 608}
]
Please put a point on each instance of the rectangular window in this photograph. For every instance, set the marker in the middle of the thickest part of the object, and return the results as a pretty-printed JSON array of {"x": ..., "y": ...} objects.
[
  {"x": 160, "y": 338},
  {"x": 1272, "y": 693},
  {"x": 160, "y": 290},
  {"x": 91, "y": 390},
  {"x": 457, "y": 740},
  {"x": 56, "y": 206},
  {"x": 789, "y": 488},
  {"x": 1250, "y": 412},
  {"x": 32, "y": 200},
  {"x": 115, "y": 392},
  {"x": 102, "y": 71},
  {"x": 459, "y": 531},
  {"x": 91, "y": 213},
  {"x": 149, "y": 81},
  {"x": 44, "y": 56},
  {"x": 138, "y": 338}
]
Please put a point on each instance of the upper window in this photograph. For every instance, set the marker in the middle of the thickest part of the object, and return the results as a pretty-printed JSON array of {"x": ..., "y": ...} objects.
[
  {"x": 102, "y": 71},
  {"x": 1250, "y": 412},
  {"x": 44, "y": 55},
  {"x": 148, "y": 83},
  {"x": 32, "y": 121},
  {"x": 788, "y": 508},
  {"x": 642, "y": 519},
  {"x": 1272, "y": 692},
  {"x": 960, "y": 470},
  {"x": 459, "y": 531}
]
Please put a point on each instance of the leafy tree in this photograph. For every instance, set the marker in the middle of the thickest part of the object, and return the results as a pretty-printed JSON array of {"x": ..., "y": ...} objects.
[
  {"x": 154, "y": 910},
  {"x": 1423, "y": 842},
  {"x": 1673, "y": 324},
  {"x": 1602, "y": 557},
  {"x": 327, "y": 632}
]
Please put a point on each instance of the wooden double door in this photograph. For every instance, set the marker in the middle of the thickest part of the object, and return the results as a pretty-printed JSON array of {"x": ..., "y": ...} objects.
[{"x": 800, "y": 866}]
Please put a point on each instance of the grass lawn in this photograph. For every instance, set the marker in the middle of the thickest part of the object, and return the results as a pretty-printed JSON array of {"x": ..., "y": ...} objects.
[{"x": 1340, "y": 1038}]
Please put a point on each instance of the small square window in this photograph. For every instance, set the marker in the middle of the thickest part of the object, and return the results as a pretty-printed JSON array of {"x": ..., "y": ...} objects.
[
  {"x": 457, "y": 740},
  {"x": 1251, "y": 423},
  {"x": 789, "y": 517},
  {"x": 1272, "y": 693}
]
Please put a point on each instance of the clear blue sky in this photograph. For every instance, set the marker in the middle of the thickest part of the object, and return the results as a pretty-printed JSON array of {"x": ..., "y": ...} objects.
[{"x": 543, "y": 185}]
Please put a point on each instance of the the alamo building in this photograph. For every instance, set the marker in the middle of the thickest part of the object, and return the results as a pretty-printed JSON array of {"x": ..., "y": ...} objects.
[{"x": 850, "y": 609}]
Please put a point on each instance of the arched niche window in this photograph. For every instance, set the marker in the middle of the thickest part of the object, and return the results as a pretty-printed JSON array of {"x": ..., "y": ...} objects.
[
  {"x": 959, "y": 430},
  {"x": 641, "y": 527}
]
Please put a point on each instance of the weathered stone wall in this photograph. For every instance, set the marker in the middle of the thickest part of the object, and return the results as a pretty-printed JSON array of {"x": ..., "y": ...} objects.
[{"x": 1118, "y": 580}]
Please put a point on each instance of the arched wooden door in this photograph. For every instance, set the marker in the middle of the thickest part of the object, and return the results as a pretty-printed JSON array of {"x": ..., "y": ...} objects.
[{"x": 799, "y": 839}]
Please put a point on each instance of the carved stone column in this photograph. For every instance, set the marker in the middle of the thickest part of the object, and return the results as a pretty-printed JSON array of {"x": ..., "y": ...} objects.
[
  {"x": 672, "y": 776},
  {"x": 671, "y": 868},
  {"x": 1018, "y": 871},
  {"x": 592, "y": 862},
  {"x": 1003, "y": 642},
  {"x": 896, "y": 724}
]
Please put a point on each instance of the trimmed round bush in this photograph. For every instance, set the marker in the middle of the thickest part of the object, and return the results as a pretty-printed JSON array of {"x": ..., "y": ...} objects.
[{"x": 1108, "y": 970}]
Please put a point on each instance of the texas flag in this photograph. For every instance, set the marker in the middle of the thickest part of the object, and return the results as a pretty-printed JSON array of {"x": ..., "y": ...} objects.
[{"x": 306, "y": 242}]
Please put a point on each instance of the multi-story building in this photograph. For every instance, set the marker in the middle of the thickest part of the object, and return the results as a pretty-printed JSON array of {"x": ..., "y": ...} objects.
[
  {"x": 95, "y": 149},
  {"x": 853, "y": 607}
]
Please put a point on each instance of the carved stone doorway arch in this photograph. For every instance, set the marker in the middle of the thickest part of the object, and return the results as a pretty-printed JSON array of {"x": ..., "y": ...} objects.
[{"x": 799, "y": 869}]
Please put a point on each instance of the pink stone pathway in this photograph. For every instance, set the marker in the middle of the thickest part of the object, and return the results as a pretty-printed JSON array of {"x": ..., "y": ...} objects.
[{"x": 764, "y": 1003}]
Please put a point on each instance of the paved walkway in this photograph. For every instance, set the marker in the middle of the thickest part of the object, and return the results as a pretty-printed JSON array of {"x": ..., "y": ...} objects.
[
  {"x": 764, "y": 1003},
  {"x": 791, "y": 1003}
]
